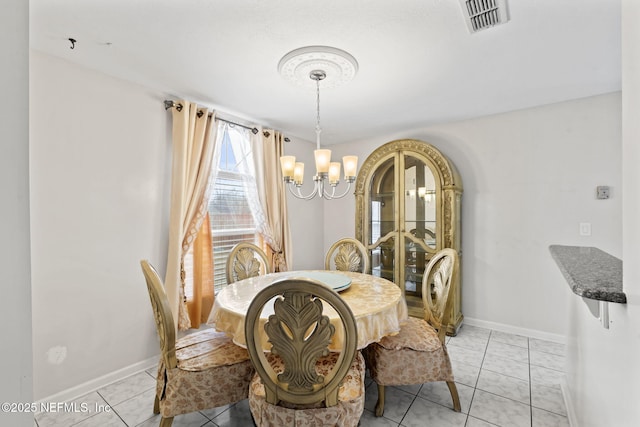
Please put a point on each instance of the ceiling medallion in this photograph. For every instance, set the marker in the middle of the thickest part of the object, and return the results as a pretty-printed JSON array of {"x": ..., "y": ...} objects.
[
  {"x": 297, "y": 65},
  {"x": 309, "y": 66}
]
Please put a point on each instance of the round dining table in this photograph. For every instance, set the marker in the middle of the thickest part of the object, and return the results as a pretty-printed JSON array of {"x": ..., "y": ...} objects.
[{"x": 376, "y": 303}]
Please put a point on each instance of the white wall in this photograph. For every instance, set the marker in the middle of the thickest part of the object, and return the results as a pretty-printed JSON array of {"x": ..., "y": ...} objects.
[
  {"x": 15, "y": 304},
  {"x": 529, "y": 179},
  {"x": 306, "y": 218},
  {"x": 99, "y": 204},
  {"x": 100, "y": 181},
  {"x": 602, "y": 364}
]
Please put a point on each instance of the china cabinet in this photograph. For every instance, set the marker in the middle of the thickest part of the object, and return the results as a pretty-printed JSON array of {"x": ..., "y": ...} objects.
[{"x": 408, "y": 198}]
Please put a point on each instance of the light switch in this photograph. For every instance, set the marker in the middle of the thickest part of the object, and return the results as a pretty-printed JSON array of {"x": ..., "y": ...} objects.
[
  {"x": 585, "y": 229},
  {"x": 602, "y": 192}
]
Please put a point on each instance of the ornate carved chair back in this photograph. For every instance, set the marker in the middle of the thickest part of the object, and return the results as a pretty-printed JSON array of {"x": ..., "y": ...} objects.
[
  {"x": 246, "y": 260},
  {"x": 437, "y": 287},
  {"x": 299, "y": 334},
  {"x": 348, "y": 255},
  {"x": 162, "y": 314}
]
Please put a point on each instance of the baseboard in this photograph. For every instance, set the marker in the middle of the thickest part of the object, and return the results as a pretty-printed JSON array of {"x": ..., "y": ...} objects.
[
  {"x": 97, "y": 383},
  {"x": 531, "y": 333},
  {"x": 568, "y": 404}
]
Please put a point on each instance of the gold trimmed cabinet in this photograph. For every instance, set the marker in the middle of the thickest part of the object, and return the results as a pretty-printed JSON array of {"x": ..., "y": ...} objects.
[{"x": 408, "y": 197}]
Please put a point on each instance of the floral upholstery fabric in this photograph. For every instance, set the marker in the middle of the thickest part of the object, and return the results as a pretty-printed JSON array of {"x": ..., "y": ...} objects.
[
  {"x": 415, "y": 334},
  {"x": 345, "y": 414},
  {"x": 413, "y": 356},
  {"x": 211, "y": 372}
]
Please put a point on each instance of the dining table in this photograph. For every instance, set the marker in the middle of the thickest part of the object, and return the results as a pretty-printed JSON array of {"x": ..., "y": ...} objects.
[{"x": 377, "y": 304}]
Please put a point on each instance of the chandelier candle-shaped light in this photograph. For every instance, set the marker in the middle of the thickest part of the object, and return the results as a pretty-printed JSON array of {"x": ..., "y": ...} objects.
[{"x": 318, "y": 58}]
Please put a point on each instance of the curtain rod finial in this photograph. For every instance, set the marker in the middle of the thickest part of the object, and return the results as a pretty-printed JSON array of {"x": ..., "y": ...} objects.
[{"x": 170, "y": 104}]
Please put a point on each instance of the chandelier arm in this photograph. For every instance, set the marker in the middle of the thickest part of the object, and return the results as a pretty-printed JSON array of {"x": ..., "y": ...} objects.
[
  {"x": 333, "y": 196},
  {"x": 327, "y": 195},
  {"x": 299, "y": 195}
]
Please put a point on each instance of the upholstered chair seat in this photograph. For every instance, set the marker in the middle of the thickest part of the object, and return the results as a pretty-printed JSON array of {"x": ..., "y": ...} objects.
[
  {"x": 418, "y": 354},
  {"x": 202, "y": 370},
  {"x": 414, "y": 356},
  {"x": 211, "y": 371},
  {"x": 346, "y": 413}
]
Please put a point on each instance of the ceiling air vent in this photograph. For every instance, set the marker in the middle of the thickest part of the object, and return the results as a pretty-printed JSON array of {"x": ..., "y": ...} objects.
[{"x": 481, "y": 14}]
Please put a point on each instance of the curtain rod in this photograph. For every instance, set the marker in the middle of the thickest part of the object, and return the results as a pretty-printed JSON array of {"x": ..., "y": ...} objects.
[{"x": 170, "y": 104}]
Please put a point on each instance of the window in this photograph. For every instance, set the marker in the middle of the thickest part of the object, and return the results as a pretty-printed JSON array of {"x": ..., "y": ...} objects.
[
  {"x": 230, "y": 215},
  {"x": 229, "y": 210}
]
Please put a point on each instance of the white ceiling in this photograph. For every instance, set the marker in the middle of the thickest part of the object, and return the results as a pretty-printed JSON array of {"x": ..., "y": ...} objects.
[{"x": 418, "y": 63}]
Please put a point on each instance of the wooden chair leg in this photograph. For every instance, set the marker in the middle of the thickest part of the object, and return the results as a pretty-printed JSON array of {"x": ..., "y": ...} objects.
[
  {"x": 380, "y": 403},
  {"x": 156, "y": 405},
  {"x": 166, "y": 422},
  {"x": 454, "y": 395}
]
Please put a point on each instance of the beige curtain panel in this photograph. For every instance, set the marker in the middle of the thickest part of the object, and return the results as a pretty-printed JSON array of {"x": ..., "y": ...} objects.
[
  {"x": 268, "y": 147},
  {"x": 193, "y": 141}
]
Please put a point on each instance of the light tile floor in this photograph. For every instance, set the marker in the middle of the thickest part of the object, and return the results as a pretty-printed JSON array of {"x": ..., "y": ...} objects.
[{"x": 503, "y": 380}]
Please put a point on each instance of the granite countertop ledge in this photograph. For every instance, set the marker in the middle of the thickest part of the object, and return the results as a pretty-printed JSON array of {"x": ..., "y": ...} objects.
[{"x": 590, "y": 272}]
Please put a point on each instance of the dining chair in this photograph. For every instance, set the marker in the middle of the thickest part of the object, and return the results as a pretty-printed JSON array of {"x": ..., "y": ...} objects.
[
  {"x": 299, "y": 382},
  {"x": 348, "y": 255},
  {"x": 246, "y": 260},
  {"x": 199, "y": 371},
  {"x": 418, "y": 354}
]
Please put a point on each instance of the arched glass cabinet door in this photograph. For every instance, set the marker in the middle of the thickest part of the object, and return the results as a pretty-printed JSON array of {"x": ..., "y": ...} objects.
[
  {"x": 418, "y": 230},
  {"x": 407, "y": 208},
  {"x": 382, "y": 225}
]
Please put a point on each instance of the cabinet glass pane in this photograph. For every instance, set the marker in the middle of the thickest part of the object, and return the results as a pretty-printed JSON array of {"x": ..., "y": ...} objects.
[
  {"x": 420, "y": 201},
  {"x": 382, "y": 219},
  {"x": 382, "y": 259},
  {"x": 415, "y": 260}
]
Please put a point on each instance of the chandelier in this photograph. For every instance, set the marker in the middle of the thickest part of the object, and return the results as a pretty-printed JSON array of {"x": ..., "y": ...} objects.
[{"x": 334, "y": 67}]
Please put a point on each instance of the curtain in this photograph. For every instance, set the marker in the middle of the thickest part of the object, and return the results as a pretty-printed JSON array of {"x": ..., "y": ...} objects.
[
  {"x": 200, "y": 276},
  {"x": 193, "y": 143},
  {"x": 268, "y": 147},
  {"x": 247, "y": 157}
]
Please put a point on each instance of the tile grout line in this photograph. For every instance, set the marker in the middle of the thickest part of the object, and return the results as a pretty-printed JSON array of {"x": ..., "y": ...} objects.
[
  {"x": 409, "y": 408},
  {"x": 475, "y": 386},
  {"x": 126, "y": 400}
]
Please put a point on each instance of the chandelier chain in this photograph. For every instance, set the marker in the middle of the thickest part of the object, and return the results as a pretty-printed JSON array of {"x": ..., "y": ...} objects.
[{"x": 318, "y": 128}]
